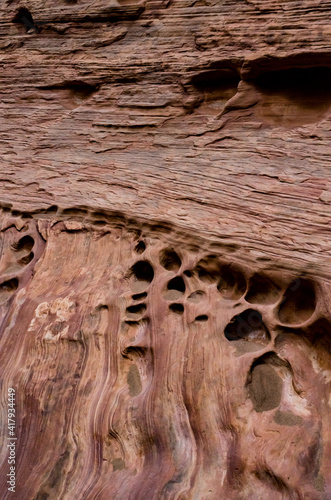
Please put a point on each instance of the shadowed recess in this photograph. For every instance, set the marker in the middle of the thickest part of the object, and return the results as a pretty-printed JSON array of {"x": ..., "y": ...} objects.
[
  {"x": 216, "y": 84},
  {"x": 295, "y": 96},
  {"x": 24, "y": 261},
  {"x": 247, "y": 326},
  {"x": 264, "y": 384},
  {"x": 170, "y": 260},
  {"x": 298, "y": 304},
  {"x": 175, "y": 289},
  {"x": 177, "y": 283},
  {"x": 262, "y": 290},
  {"x": 208, "y": 269},
  {"x": 139, "y": 296},
  {"x": 140, "y": 247},
  {"x": 202, "y": 317},
  {"x": 24, "y": 18},
  {"x": 26, "y": 243},
  {"x": 177, "y": 308},
  {"x": 274, "y": 482},
  {"x": 135, "y": 311},
  {"x": 232, "y": 283},
  {"x": 143, "y": 271},
  {"x": 9, "y": 285},
  {"x": 78, "y": 88},
  {"x": 196, "y": 296}
]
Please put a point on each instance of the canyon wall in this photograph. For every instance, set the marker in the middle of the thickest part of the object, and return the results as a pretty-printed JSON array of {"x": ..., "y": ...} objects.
[{"x": 165, "y": 198}]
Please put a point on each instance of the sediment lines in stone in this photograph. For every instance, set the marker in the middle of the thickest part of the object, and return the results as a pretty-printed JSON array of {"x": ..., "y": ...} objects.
[{"x": 156, "y": 369}]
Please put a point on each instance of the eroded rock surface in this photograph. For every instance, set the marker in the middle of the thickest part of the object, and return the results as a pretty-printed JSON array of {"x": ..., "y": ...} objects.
[
  {"x": 165, "y": 248},
  {"x": 142, "y": 370}
]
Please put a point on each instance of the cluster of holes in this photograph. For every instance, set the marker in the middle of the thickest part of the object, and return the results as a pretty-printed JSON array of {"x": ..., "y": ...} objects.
[
  {"x": 22, "y": 250},
  {"x": 297, "y": 306},
  {"x": 25, "y": 244},
  {"x": 142, "y": 273}
]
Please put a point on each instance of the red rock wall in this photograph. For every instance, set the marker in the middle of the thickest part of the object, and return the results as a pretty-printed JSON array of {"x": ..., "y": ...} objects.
[{"x": 164, "y": 274}]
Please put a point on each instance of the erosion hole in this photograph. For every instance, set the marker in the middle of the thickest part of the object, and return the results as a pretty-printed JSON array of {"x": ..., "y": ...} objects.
[
  {"x": 247, "y": 326},
  {"x": 140, "y": 247},
  {"x": 232, "y": 284},
  {"x": 265, "y": 387},
  {"x": 262, "y": 290},
  {"x": 143, "y": 271},
  {"x": 9, "y": 285},
  {"x": 177, "y": 308},
  {"x": 175, "y": 289},
  {"x": 202, "y": 317},
  {"x": 24, "y": 18},
  {"x": 177, "y": 283},
  {"x": 135, "y": 311},
  {"x": 196, "y": 296},
  {"x": 26, "y": 243},
  {"x": 170, "y": 260},
  {"x": 24, "y": 261},
  {"x": 208, "y": 269},
  {"x": 298, "y": 304},
  {"x": 139, "y": 296}
]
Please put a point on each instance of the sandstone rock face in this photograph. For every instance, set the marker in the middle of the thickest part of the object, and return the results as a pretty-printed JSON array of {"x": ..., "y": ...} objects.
[{"x": 165, "y": 249}]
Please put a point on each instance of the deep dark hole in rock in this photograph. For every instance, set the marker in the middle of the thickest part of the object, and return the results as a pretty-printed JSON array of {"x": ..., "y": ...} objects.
[
  {"x": 24, "y": 261},
  {"x": 78, "y": 88},
  {"x": 216, "y": 84},
  {"x": 310, "y": 87},
  {"x": 247, "y": 326},
  {"x": 143, "y": 271},
  {"x": 140, "y": 247},
  {"x": 264, "y": 384},
  {"x": 51, "y": 209},
  {"x": 26, "y": 243},
  {"x": 177, "y": 284},
  {"x": 9, "y": 285},
  {"x": 24, "y": 17},
  {"x": 232, "y": 284},
  {"x": 306, "y": 79},
  {"x": 262, "y": 290},
  {"x": 170, "y": 260},
  {"x": 177, "y": 308},
  {"x": 74, "y": 211},
  {"x": 139, "y": 296},
  {"x": 136, "y": 309},
  {"x": 202, "y": 317}
]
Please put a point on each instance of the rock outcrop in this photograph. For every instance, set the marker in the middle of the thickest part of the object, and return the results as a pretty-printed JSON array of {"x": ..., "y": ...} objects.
[{"x": 165, "y": 267}]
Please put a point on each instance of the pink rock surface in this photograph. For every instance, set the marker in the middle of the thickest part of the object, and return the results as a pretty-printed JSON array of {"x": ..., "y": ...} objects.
[{"x": 164, "y": 275}]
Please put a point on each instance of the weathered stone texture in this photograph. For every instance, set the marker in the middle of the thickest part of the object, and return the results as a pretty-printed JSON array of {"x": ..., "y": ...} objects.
[{"x": 165, "y": 248}]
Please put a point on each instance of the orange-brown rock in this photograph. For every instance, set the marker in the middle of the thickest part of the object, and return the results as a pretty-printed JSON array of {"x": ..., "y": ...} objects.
[{"x": 165, "y": 249}]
